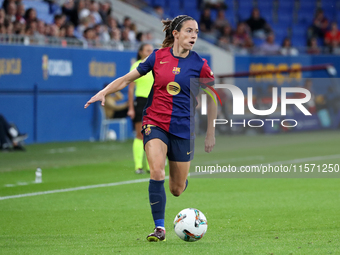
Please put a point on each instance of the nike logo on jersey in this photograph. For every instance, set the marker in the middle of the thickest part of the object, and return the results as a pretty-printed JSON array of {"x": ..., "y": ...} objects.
[
  {"x": 189, "y": 152},
  {"x": 163, "y": 62},
  {"x": 154, "y": 203}
]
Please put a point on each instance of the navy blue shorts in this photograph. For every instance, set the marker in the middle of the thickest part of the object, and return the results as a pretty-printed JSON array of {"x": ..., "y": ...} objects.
[{"x": 179, "y": 149}]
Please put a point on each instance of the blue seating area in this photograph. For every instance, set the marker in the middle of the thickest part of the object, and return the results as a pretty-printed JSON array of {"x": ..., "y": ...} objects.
[
  {"x": 286, "y": 17},
  {"x": 42, "y": 9}
]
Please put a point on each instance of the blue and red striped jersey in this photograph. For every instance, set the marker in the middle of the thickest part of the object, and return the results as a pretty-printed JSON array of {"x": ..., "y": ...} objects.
[{"x": 172, "y": 100}]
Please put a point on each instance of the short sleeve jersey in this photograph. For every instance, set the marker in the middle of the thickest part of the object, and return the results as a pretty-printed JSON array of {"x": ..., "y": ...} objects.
[
  {"x": 144, "y": 83},
  {"x": 172, "y": 100}
]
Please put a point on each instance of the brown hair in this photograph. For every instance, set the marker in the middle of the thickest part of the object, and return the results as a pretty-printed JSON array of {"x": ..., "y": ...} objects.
[{"x": 171, "y": 25}]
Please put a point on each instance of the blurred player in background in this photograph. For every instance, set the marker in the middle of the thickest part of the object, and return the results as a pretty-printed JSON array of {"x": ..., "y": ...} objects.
[
  {"x": 10, "y": 138},
  {"x": 167, "y": 119},
  {"x": 143, "y": 86}
]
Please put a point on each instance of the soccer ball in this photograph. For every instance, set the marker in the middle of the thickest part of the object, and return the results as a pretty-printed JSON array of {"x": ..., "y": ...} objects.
[
  {"x": 190, "y": 224},
  {"x": 111, "y": 135}
]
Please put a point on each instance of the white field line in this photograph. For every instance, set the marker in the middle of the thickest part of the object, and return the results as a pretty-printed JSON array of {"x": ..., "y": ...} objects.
[
  {"x": 62, "y": 150},
  {"x": 231, "y": 160},
  {"x": 301, "y": 160},
  {"x": 77, "y": 188},
  {"x": 235, "y": 159},
  {"x": 9, "y": 185},
  {"x": 292, "y": 161},
  {"x": 22, "y": 183},
  {"x": 19, "y": 184}
]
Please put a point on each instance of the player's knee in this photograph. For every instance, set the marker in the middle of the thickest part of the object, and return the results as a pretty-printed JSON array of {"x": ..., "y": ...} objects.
[
  {"x": 176, "y": 191},
  {"x": 157, "y": 173}
]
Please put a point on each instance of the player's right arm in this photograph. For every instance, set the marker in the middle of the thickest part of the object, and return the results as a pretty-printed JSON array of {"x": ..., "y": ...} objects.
[
  {"x": 120, "y": 83},
  {"x": 114, "y": 86}
]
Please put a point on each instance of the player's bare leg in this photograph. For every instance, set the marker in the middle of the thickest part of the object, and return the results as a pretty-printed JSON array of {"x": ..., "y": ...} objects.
[
  {"x": 156, "y": 151},
  {"x": 178, "y": 173}
]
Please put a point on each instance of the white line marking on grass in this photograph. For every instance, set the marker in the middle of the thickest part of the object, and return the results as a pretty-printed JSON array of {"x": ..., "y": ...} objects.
[
  {"x": 301, "y": 160},
  {"x": 19, "y": 184},
  {"x": 147, "y": 179},
  {"x": 62, "y": 150},
  {"x": 236, "y": 159},
  {"x": 106, "y": 147},
  {"x": 22, "y": 183},
  {"x": 77, "y": 188}
]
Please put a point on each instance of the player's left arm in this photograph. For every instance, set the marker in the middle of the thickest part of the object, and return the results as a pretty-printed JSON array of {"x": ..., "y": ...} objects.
[{"x": 208, "y": 78}]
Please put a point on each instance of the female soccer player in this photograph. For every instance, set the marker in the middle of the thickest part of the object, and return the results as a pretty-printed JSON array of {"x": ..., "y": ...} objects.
[
  {"x": 143, "y": 86},
  {"x": 167, "y": 118}
]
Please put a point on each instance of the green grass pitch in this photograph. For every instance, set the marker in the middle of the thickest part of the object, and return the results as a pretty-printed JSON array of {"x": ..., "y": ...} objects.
[{"x": 245, "y": 215}]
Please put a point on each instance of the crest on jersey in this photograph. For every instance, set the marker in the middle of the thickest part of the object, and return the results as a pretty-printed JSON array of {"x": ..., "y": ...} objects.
[
  {"x": 173, "y": 88},
  {"x": 147, "y": 131},
  {"x": 176, "y": 70}
]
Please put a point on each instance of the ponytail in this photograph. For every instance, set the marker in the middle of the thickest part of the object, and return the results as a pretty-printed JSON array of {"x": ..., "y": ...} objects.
[
  {"x": 171, "y": 25},
  {"x": 169, "y": 38}
]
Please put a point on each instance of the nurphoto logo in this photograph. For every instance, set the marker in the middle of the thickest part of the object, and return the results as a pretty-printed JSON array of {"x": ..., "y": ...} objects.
[{"x": 239, "y": 99}]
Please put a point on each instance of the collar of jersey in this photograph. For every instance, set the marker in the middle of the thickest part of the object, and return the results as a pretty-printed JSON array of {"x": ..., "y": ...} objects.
[{"x": 171, "y": 51}]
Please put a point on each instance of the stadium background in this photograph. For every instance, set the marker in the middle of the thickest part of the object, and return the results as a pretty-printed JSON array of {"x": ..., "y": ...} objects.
[{"x": 43, "y": 88}]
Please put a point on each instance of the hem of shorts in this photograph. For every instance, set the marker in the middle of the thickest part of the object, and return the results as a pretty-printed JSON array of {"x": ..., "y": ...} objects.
[{"x": 181, "y": 160}]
